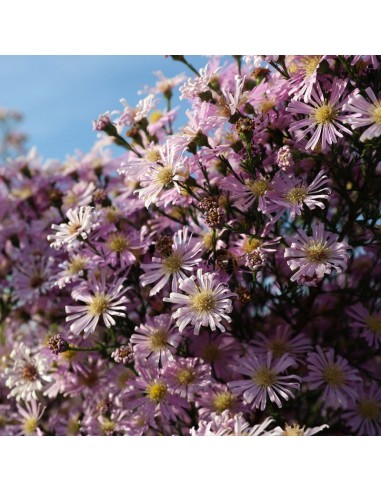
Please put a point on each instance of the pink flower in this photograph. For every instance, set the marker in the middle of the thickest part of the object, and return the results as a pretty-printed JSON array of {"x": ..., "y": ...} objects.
[
  {"x": 368, "y": 322},
  {"x": 290, "y": 193},
  {"x": 364, "y": 415},
  {"x": 205, "y": 303},
  {"x": 316, "y": 255},
  {"x": 157, "y": 340},
  {"x": 333, "y": 374},
  {"x": 100, "y": 300},
  {"x": 150, "y": 393},
  {"x": 265, "y": 379},
  {"x": 323, "y": 116},
  {"x": 364, "y": 113},
  {"x": 186, "y": 254},
  {"x": 303, "y": 71},
  {"x": 80, "y": 224}
]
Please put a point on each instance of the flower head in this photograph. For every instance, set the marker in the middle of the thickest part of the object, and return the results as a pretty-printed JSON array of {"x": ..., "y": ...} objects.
[
  {"x": 205, "y": 303},
  {"x": 335, "y": 375},
  {"x": 316, "y": 255},
  {"x": 265, "y": 379},
  {"x": 80, "y": 224},
  {"x": 364, "y": 113}
]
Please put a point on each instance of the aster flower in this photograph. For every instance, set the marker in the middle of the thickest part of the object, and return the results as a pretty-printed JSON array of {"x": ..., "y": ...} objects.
[
  {"x": 334, "y": 374},
  {"x": 28, "y": 374},
  {"x": 235, "y": 101},
  {"x": 100, "y": 300},
  {"x": 187, "y": 376},
  {"x": 363, "y": 416},
  {"x": 216, "y": 398},
  {"x": 195, "y": 86},
  {"x": 289, "y": 193},
  {"x": 226, "y": 424},
  {"x": 295, "y": 430},
  {"x": 32, "y": 276},
  {"x": 205, "y": 303},
  {"x": 134, "y": 115},
  {"x": 149, "y": 392},
  {"x": 245, "y": 194},
  {"x": 265, "y": 380},
  {"x": 122, "y": 247},
  {"x": 185, "y": 255},
  {"x": 157, "y": 339},
  {"x": 368, "y": 322},
  {"x": 316, "y": 255},
  {"x": 29, "y": 417},
  {"x": 303, "y": 71},
  {"x": 165, "y": 174},
  {"x": 80, "y": 224},
  {"x": 364, "y": 113},
  {"x": 323, "y": 116},
  {"x": 80, "y": 195},
  {"x": 283, "y": 341}
]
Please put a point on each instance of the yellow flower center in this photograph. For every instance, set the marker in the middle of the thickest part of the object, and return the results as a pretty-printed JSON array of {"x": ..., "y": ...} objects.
[
  {"x": 317, "y": 252},
  {"x": 99, "y": 304},
  {"x": 264, "y": 377},
  {"x": 204, "y": 302},
  {"x": 369, "y": 409},
  {"x": 297, "y": 195},
  {"x": 293, "y": 430},
  {"x": 251, "y": 244},
  {"x": 309, "y": 64},
  {"x": 154, "y": 117},
  {"x": 374, "y": 324},
  {"x": 73, "y": 427},
  {"x": 152, "y": 155},
  {"x": 223, "y": 401},
  {"x": 69, "y": 355},
  {"x": 76, "y": 265},
  {"x": 108, "y": 426},
  {"x": 74, "y": 228},
  {"x": 258, "y": 187},
  {"x": 208, "y": 239},
  {"x": 158, "y": 340},
  {"x": 375, "y": 112},
  {"x": 117, "y": 243},
  {"x": 172, "y": 264},
  {"x": 185, "y": 377},
  {"x": 325, "y": 114},
  {"x": 165, "y": 176},
  {"x": 210, "y": 353},
  {"x": 278, "y": 347},
  {"x": 30, "y": 426},
  {"x": 266, "y": 105},
  {"x": 112, "y": 214},
  {"x": 333, "y": 375},
  {"x": 157, "y": 391}
]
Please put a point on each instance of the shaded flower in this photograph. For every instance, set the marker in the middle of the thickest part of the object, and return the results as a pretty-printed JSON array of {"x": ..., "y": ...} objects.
[
  {"x": 364, "y": 113},
  {"x": 334, "y": 374},
  {"x": 265, "y": 380},
  {"x": 368, "y": 322}
]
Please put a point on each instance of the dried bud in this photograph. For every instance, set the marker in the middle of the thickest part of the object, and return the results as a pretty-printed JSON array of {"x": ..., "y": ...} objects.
[
  {"x": 284, "y": 158},
  {"x": 123, "y": 355},
  {"x": 255, "y": 260},
  {"x": 215, "y": 217},
  {"x": 260, "y": 73},
  {"x": 164, "y": 245},
  {"x": 208, "y": 203},
  {"x": 57, "y": 344},
  {"x": 102, "y": 123},
  {"x": 245, "y": 128},
  {"x": 243, "y": 295}
]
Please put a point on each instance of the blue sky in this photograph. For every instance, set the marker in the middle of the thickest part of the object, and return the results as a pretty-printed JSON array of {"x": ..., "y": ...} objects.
[{"x": 61, "y": 95}]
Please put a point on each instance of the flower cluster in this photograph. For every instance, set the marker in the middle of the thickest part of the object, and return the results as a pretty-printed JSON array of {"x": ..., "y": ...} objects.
[{"x": 216, "y": 278}]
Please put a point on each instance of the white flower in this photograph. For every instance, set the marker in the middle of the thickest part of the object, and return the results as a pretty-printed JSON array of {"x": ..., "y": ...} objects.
[
  {"x": 28, "y": 373},
  {"x": 80, "y": 224},
  {"x": 205, "y": 303}
]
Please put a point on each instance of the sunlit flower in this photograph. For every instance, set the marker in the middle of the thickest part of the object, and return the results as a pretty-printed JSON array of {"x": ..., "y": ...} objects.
[
  {"x": 80, "y": 224},
  {"x": 364, "y": 113},
  {"x": 205, "y": 303}
]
